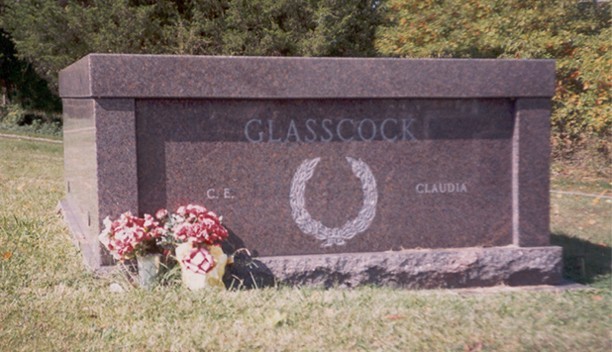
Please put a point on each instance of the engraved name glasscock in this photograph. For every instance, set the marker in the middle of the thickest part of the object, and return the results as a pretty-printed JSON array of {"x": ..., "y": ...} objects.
[{"x": 327, "y": 130}]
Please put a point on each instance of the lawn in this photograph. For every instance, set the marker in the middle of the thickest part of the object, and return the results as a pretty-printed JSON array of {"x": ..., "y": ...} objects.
[{"x": 48, "y": 302}]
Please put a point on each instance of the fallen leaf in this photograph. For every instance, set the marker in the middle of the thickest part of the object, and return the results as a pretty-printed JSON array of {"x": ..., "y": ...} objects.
[
  {"x": 394, "y": 317},
  {"x": 474, "y": 347}
]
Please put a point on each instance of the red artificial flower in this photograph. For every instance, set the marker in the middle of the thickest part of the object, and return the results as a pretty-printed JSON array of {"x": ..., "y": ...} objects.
[
  {"x": 125, "y": 235},
  {"x": 161, "y": 214},
  {"x": 196, "y": 224}
]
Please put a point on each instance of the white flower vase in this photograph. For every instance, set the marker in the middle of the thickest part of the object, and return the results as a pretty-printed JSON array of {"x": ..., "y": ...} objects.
[
  {"x": 148, "y": 268},
  {"x": 197, "y": 281}
]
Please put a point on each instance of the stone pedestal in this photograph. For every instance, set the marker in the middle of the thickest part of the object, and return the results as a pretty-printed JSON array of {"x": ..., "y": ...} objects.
[{"x": 355, "y": 170}]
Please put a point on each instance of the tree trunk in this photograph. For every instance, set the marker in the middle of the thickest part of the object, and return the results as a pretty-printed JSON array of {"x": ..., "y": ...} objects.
[{"x": 3, "y": 93}]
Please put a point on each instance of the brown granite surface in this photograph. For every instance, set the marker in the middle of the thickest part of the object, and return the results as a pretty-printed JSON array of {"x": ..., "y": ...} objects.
[
  {"x": 157, "y": 76},
  {"x": 116, "y": 158},
  {"x": 533, "y": 172},
  {"x": 193, "y": 151},
  {"x": 80, "y": 173},
  {"x": 414, "y": 269}
]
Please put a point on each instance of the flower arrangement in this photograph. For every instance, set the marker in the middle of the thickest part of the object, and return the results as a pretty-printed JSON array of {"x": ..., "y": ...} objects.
[
  {"x": 193, "y": 232},
  {"x": 194, "y": 224},
  {"x": 129, "y": 236},
  {"x": 196, "y": 234}
]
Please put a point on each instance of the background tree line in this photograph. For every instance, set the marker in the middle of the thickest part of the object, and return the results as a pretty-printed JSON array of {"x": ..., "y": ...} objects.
[{"x": 40, "y": 37}]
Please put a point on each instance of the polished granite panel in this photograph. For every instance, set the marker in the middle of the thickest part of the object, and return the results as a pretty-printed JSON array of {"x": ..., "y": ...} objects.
[
  {"x": 441, "y": 168},
  {"x": 80, "y": 173},
  {"x": 533, "y": 172},
  {"x": 117, "y": 173},
  {"x": 165, "y": 76},
  {"x": 116, "y": 159}
]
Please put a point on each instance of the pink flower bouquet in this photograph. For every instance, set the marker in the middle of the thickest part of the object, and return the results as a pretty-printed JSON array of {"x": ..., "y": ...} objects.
[
  {"x": 193, "y": 223},
  {"x": 193, "y": 232},
  {"x": 129, "y": 236},
  {"x": 196, "y": 233}
]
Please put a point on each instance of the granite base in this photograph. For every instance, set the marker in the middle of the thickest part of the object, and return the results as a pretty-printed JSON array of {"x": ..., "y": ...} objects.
[
  {"x": 414, "y": 269},
  {"x": 89, "y": 246}
]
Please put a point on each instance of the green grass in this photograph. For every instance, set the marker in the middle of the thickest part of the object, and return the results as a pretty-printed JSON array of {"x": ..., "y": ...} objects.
[
  {"x": 48, "y": 302},
  {"x": 583, "y": 227},
  {"x": 588, "y": 174},
  {"x": 44, "y": 130}
]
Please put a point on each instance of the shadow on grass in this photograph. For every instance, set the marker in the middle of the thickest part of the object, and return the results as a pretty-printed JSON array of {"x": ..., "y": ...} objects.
[{"x": 583, "y": 261}]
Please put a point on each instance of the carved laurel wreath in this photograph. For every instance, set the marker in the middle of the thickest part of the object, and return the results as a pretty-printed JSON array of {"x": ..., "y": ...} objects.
[{"x": 337, "y": 235}]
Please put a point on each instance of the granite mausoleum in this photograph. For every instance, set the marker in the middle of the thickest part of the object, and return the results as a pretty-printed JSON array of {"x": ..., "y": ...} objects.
[{"x": 412, "y": 173}]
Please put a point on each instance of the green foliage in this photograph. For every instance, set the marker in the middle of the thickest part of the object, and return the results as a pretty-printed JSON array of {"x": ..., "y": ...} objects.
[
  {"x": 52, "y": 34},
  {"x": 576, "y": 34},
  {"x": 267, "y": 27},
  {"x": 13, "y": 114},
  {"x": 301, "y": 28},
  {"x": 15, "y": 119},
  {"x": 193, "y": 27},
  {"x": 29, "y": 104},
  {"x": 20, "y": 83},
  {"x": 582, "y": 99},
  {"x": 344, "y": 28}
]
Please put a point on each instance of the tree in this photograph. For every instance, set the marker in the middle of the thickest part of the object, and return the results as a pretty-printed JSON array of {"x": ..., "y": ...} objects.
[
  {"x": 344, "y": 28},
  {"x": 194, "y": 27},
  {"x": 19, "y": 83},
  {"x": 576, "y": 34},
  {"x": 301, "y": 28},
  {"x": 52, "y": 34}
]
